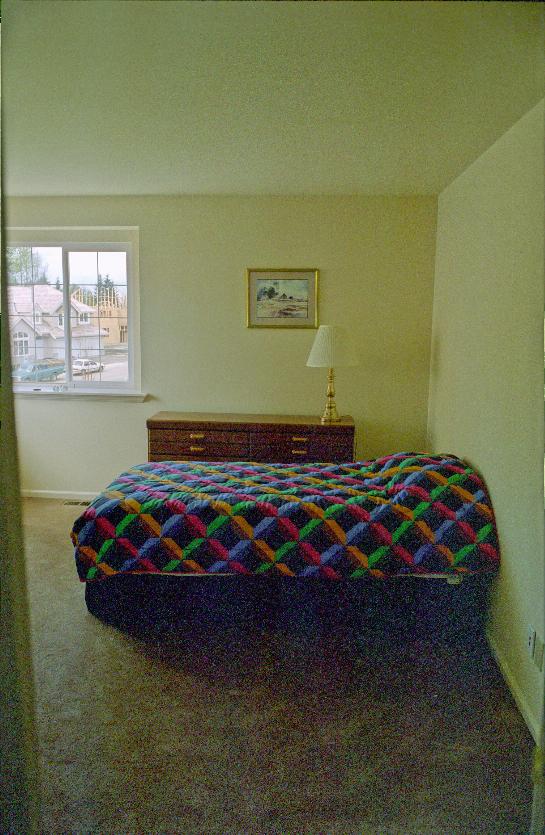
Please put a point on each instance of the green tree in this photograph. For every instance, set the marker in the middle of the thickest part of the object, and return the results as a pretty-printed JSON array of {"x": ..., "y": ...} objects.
[
  {"x": 25, "y": 266},
  {"x": 106, "y": 290}
]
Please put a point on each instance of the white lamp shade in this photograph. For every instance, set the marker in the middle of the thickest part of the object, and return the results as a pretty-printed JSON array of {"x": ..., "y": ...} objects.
[{"x": 332, "y": 348}]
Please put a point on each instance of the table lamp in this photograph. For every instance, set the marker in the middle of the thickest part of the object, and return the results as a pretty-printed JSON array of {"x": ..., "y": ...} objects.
[{"x": 332, "y": 346}]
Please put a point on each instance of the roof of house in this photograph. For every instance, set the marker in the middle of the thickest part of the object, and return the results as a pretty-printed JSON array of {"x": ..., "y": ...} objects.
[
  {"x": 40, "y": 328},
  {"x": 45, "y": 299}
]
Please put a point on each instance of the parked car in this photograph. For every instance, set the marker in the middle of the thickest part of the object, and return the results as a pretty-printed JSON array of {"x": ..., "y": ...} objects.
[
  {"x": 46, "y": 369},
  {"x": 86, "y": 367}
]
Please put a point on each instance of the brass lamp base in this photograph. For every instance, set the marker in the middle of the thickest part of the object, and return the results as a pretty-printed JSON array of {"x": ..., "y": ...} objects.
[{"x": 330, "y": 414}]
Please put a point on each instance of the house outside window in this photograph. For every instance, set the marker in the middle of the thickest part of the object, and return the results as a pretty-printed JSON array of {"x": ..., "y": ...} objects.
[{"x": 59, "y": 292}]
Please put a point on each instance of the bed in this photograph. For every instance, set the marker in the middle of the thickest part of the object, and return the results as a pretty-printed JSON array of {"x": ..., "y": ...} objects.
[{"x": 403, "y": 517}]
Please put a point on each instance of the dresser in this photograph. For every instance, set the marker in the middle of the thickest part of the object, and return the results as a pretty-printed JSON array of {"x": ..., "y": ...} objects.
[{"x": 202, "y": 436}]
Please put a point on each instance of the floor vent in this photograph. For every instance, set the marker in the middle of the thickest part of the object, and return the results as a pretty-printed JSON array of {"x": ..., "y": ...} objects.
[{"x": 75, "y": 502}]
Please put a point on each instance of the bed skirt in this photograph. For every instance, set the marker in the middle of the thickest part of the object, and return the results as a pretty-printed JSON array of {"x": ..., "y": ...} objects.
[{"x": 402, "y": 609}]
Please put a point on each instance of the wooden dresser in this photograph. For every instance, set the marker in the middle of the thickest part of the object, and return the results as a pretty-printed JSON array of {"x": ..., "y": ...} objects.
[{"x": 201, "y": 436}]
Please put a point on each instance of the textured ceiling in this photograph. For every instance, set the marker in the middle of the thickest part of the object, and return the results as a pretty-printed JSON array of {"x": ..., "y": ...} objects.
[{"x": 116, "y": 97}]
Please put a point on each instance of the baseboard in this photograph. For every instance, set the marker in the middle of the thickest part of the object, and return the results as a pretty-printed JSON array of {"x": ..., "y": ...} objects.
[
  {"x": 532, "y": 722},
  {"x": 58, "y": 494}
]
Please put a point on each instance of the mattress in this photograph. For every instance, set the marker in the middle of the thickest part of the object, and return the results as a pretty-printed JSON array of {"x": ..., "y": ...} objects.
[{"x": 402, "y": 514}]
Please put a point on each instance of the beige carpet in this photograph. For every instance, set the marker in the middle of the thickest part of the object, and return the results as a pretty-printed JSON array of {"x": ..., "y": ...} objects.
[{"x": 274, "y": 731}]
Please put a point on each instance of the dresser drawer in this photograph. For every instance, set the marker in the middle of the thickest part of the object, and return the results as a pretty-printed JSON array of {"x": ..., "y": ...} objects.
[
  {"x": 233, "y": 454},
  {"x": 305, "y": 447},
  {"x": 161, "y": 438},
  {"x": 339, "y": 450},
  {"x": 278, "y": 446},
  {"x": 197, "y": 444},
  {"x": 202, "y": 451},
  {"x": 278, "y": 452}
]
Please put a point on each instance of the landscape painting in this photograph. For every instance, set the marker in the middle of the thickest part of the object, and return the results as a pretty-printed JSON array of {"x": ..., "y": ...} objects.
[
  {"x": 286, "y": 298},
  {"x": 282, "y": 298}
]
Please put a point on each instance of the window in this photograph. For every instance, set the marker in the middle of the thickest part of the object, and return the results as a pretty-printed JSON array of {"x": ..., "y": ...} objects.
[
  {"x": 20, "y": 344},
  {"x": 88, "y": 282}
]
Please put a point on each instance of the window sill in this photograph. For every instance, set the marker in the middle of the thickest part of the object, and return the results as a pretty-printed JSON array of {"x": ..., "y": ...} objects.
[{"x": 134, "y": 396}]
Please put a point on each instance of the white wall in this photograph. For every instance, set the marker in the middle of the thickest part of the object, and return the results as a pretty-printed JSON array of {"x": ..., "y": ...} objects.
[
  {"x": 375, "y": 256},
  {"x": 486, "y": 381}
]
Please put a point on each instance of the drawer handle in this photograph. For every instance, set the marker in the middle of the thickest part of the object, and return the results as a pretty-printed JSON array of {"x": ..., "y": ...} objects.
[
  {"x": 295, "y": 438},
  {"x": 196, "y": 435},
  {"x": 298, "y": 452},
  {"x": 196, "y": 449}
]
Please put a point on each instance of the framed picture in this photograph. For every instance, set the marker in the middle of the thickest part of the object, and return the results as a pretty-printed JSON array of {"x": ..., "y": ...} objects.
[{"x": 282, "y": 298}]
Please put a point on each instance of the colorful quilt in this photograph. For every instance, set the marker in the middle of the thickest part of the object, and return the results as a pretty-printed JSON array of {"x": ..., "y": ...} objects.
[{"x": 408, "y": 513}]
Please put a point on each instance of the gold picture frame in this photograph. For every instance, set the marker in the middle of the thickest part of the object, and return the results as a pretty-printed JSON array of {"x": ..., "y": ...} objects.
[{"x": 282, "y": 297}]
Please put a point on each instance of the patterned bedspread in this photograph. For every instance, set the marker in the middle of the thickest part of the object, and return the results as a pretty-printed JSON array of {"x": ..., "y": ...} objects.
[{"x": 407, "y": 513}]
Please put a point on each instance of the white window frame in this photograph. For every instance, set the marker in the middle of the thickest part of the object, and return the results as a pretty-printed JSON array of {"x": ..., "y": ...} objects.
[
  {"x": 20, "y": 339},
  {"x": 91, "y": 239}
]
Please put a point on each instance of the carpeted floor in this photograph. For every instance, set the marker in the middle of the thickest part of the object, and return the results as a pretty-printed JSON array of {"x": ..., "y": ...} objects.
[{"x": 283, "y": 729}]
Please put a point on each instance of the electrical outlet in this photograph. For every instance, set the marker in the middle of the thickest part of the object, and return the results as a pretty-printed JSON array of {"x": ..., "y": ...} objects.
[
  {"x": 531, "y": 641},
  {"x": 538, "y": 652}
]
